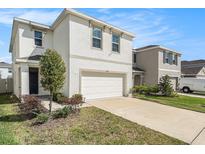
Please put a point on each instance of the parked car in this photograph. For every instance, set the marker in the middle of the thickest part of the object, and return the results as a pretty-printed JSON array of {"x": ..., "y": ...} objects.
[{"x": 188, "y": 85}]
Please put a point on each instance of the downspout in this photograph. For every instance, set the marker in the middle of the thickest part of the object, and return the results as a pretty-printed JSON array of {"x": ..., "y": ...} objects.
[{"x": 69, "y": 66}]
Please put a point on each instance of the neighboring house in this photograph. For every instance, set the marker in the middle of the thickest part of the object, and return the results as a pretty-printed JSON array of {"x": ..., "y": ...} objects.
[
  {"x": 5, "y": 70},
  {"x": 152, "y": 62},
  {"x": 98, "y": 56},
  {"x": 195, "y": 68}
]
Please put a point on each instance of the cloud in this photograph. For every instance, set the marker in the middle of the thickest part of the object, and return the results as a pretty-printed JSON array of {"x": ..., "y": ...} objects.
[
  {"x": 6, "y": 59},
  {"x": 150, "y": 26},
  {"x": 38, "y": 15},
  {"x": 104, "y": 10}
]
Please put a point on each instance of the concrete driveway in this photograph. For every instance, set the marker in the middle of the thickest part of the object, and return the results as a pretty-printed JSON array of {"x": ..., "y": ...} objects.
[{"x": 179, "y": 123}]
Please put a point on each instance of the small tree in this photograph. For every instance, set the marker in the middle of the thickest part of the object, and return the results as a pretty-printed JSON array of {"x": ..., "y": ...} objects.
[
  {"x": 165, "y": 86},
  {"x": 52, "y": 70}
]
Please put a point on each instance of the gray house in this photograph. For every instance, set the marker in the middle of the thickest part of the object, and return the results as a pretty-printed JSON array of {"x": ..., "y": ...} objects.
[
  {"x": 195, "y": 68},
  {"x": 152, "y": 62}
]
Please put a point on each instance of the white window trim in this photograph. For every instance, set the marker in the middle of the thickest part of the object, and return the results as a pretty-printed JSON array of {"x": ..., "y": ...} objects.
[
  {"x": 169, "y": 58},
  {"x": 116, "y": 43},
  {"x": 175, "y": 59},
  {"x": 101, "y": 39},
  {"x": 38, "y": 38}
]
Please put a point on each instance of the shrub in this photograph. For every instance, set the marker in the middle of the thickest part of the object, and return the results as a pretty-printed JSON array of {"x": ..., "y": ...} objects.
[
  {"x": 62, "y": 113},
  {"x": 74, "y": 102},
  {"x": 154, "y": 89},
  {"x": 165, "y": 86},
  {"x": 77, "y": 97},
  {"x": 141, "y": 89},
  {"x": 41, "y": 118},
  {"x": 145, "y": 89},
  {"x": 58, "y": 97},
  {"x": 31, "y": 104}
]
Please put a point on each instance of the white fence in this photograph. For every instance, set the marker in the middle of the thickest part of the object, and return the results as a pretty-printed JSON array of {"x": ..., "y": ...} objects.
[{"x": 6, "y": 85}]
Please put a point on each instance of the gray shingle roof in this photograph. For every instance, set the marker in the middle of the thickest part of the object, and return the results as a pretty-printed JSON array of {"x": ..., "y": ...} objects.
[
  {"x": 5, "y": 65},
  {"x": 147, "y": 47},
  {"x": 192, "y": 67},
  {"x": 137, "y": 69}
]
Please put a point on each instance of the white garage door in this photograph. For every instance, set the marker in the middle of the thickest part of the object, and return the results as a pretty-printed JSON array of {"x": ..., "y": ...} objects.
[{"x": 101, "y": 87}]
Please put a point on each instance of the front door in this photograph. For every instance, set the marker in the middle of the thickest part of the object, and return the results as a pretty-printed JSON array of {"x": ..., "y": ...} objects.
[
  {"x": 33, "y": 80},
  {"x": 137, "y": 80}
]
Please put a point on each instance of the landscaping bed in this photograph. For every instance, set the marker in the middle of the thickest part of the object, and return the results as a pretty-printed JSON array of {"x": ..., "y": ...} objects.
[{"x": 88, "y": 126}]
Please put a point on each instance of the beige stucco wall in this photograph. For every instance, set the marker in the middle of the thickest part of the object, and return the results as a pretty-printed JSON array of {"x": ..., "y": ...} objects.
[
  {"x": 168, "y": 69},
  {"x": 148, "y": 61},
  {"x": 81, "y": 42},
  {"x": 22, "y": 48},
  {"x": 86, "y": 65},
  {"x": 26, "y": 40},
  {"x": 61, "y": 45},
  {"x": 202, "y": 72},
  {"x": 84, "y": 57},
  {"x": 72, "y": 39},
  {"x": 151, "y": 61}
]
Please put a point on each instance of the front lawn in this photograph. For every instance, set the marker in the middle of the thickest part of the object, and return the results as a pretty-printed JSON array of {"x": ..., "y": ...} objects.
[
  {"x": 185, "y": 102},
  {"x": 90, "y": 126}
]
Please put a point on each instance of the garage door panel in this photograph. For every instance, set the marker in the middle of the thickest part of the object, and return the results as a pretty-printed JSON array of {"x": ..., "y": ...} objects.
[{"x": 101, "y": 87}]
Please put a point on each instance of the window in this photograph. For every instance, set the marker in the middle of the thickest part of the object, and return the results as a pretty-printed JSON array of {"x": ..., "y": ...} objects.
[
  {"x": 115, "y": 43},
  {"x": 174, "y": 59},
  {"x": 170, "y": 58},
  {"x": 166, "y": 57},
  {"x": 10, "y": 71},
  {"x": 134, "y": 58},
  {"x": 38, "y": 38},
  {"x": 97, "y": 37}
]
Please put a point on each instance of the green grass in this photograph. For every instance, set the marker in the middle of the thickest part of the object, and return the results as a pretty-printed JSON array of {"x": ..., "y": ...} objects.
[
  {"x": 10, "y": 122},
  {"x": 184, "y": 102},
  {"x": 90, "y": 126}
]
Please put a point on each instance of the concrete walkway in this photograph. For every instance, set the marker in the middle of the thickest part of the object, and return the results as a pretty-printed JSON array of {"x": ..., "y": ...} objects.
[
  {"x": 192, "y": 95},
  {"x": 179, "y": 123}
]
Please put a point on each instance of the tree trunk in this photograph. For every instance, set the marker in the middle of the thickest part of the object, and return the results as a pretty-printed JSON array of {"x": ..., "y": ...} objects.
[{"x": 51, "y": 100}]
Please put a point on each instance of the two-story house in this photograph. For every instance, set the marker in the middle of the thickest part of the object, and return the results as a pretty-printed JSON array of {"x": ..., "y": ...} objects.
[
  {"x": 152, "y": 62},
  {"x": 98, "y": 56}
]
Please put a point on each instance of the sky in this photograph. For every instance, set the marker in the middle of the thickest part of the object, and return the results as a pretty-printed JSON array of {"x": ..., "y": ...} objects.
[{"x": 182, "y": 30}]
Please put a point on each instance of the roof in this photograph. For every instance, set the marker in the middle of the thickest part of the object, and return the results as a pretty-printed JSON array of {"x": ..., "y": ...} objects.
[
  {"x": 191, "y": 70},
  {"x": 194, "y": 62},
  {"x": 58, "y": 20},
  {"x": 149, "y": 47},
  {"x": 5, "y": 65},
  {"x": 137, "y": 69},
  {"x": 192, "y": 67},
  {"x": 146, "y": 47}
]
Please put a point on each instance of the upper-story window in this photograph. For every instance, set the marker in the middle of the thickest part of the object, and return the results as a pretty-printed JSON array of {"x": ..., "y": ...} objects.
[
  {"x": 134, "y": 58},
  {"x": 115, "y": 43},
  {"x": 170, "y": 58},
  {"x": 38, "y": 38},
  {"x": 166, "y": 57},
  {"x": 97, "y": 37},
  {"x": 174, "y": 59}
]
